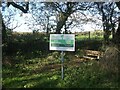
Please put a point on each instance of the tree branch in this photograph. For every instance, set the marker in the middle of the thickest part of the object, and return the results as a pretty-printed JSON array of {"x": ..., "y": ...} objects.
[
  {"x": 118, "y": 4},
  {"x": 24, "y": 10}
]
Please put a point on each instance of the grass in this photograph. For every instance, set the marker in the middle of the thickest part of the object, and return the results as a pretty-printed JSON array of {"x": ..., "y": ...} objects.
[
  {"x": 37, "y": 67},
  {"x": 46, "y": 73}
]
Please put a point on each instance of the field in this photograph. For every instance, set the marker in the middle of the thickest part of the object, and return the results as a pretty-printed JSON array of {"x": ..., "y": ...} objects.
[{"x": 28, "y": 63}]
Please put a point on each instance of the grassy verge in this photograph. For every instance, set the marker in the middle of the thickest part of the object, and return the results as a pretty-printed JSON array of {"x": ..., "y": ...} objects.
[{"x": 46, "y": 73}]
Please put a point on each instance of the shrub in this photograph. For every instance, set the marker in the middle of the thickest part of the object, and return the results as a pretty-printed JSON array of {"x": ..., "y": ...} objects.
[{"x": 110, "y": 60}]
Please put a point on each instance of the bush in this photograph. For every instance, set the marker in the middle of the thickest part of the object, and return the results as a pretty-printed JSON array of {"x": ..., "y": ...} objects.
[{"x": 110, "y": 59}]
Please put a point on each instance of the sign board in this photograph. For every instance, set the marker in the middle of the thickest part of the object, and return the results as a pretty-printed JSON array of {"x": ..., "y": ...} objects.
[{"x": 62, "y": 42}]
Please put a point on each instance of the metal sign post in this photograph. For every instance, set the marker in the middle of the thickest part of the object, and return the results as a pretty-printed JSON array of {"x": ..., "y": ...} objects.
[
  {"x": 62, "y": 65},
  {"x": 62, "y": 42}
]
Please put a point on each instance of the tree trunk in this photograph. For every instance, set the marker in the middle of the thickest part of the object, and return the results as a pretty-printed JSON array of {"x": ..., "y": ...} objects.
[
  {"x": 66, "y": 29},
  {"x": 89, "y": 35},
  {"x": 106, "y": 30},
  {"x": 113, "y": 31},
  {"x": 105, "y": 37},
  {"x": 4, "y": 34},
  {"x": 47, "y": 29},
  {"x": 0, "y": 31},
  {"x": 61, "y": 23},
  {"x": 117, "y": 35},
  {"x": 104, "y": 19}
]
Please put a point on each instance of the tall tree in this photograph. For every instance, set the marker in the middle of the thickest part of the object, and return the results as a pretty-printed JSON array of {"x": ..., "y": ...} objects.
[
  {"x": 43, "y": 16},
  {"x": 117, "y": 35},
  {"x": 65, "y": 9},
  {"x": 23, "y": 8},
  {"x": 108, "y": 13}
]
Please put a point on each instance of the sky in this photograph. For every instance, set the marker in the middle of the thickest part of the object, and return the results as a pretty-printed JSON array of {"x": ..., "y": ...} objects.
[
  {"x": 86, "y": 27},
  {"x": 24, "y": 27},
  {"x": 20, "y": 19}
]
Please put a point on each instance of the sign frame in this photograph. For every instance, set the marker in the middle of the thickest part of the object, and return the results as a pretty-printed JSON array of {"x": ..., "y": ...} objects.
[{"x": 62, "y": 42}]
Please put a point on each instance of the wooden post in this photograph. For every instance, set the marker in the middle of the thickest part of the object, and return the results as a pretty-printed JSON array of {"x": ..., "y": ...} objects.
[
  {"x": 62, "y": 65},
  {"x": 89, "y": 35}
]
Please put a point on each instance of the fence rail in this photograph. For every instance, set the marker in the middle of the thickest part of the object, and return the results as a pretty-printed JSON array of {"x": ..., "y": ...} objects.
[{"x": 90, "y": 35}]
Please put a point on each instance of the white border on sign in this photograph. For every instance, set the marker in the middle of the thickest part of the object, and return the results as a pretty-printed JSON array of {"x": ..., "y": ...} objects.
[{"x": 63, "y": 48}]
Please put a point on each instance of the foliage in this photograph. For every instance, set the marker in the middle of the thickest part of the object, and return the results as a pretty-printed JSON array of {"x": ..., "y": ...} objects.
[
  {"x": 35, "y": 43},
  {"x": 64, "y": 15},
  {"x": 41, "y": 73},
  {"x": 38, "y": 68},
  {"x": 39, "y": 42},
  {"x": 109, "y": 14}
]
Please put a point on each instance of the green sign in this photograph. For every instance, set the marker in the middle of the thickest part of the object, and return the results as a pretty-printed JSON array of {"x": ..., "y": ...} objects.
[{"x": 62, "y": 42}]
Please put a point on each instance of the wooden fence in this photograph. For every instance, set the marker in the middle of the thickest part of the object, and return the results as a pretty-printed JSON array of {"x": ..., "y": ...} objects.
[{"x": 90, "y": 35}]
